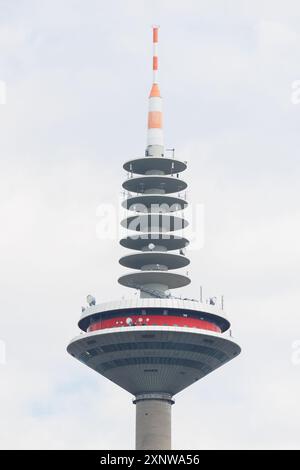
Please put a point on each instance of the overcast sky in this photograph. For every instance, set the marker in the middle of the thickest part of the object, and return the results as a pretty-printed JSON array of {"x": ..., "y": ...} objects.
[{"x": 77, "y": 74}]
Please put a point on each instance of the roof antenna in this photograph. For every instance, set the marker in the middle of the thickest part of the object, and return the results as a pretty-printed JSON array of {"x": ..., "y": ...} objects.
[{"x": 155, "y": 141}]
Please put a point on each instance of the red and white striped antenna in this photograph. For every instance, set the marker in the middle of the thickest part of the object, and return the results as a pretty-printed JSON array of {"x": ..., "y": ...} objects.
[
  {"x": 155, "y": 53},
  {"x": 155, "y": 143}
]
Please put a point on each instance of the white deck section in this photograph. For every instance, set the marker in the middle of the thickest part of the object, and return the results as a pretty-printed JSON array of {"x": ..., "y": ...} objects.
[
  {"x": 167, "y": 184},
  {"x": 138, "y": 303},
  {"x": 154, "y": 222},
  {"x": 143, "y": 165},
  {"x": 154, "y": 203},
  {"x": 141, "y": 241},
  {"x": 138, "y": 260}
]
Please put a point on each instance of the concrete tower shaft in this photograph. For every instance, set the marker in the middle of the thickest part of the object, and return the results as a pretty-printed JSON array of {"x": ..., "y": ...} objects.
[{"x": 153, "y": 421}]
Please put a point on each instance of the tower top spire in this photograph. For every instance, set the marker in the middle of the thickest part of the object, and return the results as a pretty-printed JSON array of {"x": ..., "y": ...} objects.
[
  {"x": 155, "y": 53},
  {"x": 155, "y": 88},
  {"x": 155, "y": 145}
]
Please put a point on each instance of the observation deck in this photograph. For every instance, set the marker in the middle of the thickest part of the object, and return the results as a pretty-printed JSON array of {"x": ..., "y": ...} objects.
[{"x": 154, "y": 345}]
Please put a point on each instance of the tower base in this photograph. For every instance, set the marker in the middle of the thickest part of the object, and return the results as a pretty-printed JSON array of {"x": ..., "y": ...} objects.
[{"x": 153, "y": 421}]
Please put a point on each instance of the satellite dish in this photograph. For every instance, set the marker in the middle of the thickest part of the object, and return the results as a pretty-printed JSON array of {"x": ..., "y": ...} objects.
[
  {"x": 91, "y": 300},
  {"x": 151, "y": 246},
  {"x": 129, "y": 321}
]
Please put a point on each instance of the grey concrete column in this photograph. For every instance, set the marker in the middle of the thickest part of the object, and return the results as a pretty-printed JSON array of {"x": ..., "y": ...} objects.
[{"x": 153, "y": 421}]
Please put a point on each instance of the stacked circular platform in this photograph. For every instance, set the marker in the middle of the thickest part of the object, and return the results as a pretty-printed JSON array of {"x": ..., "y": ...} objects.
[{"x": 155, "y": 199}]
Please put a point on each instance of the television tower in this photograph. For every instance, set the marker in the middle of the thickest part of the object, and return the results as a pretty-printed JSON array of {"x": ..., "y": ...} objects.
[{"x": 154, "y": 345}]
